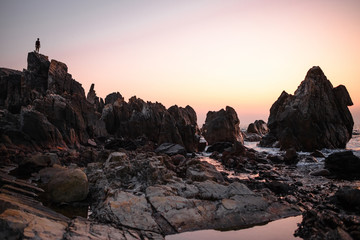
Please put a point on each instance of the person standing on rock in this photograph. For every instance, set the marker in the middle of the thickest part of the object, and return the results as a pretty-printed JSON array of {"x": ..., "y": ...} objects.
[{"x": 37, "y": 45}]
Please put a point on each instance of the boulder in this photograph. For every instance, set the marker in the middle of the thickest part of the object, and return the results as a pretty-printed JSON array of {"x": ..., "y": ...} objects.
[
  {"x": 344, "y": 164},
  {"x": 70, "y": 185},
  {"x": 222, "y": 126},
  {"x": 315, "y": 117}
]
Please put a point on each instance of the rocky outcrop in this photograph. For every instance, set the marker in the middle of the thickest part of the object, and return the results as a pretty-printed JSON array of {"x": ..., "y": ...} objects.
[
  {"x": 49, "y": 107},
  {"x": 222, "y": 126},
  {"x": 138, "y": 118},
  {"x": 173, "y": 194},
  {"x": 315, "y": 117}
]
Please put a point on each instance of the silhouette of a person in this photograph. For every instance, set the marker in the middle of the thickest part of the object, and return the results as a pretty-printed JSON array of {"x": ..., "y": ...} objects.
[{"x": 37, "y": 45}]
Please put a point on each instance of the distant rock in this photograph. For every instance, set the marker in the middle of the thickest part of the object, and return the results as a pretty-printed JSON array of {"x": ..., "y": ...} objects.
[
  {"x": 97, "y": 102},
  {"x": 222, "y": 126},
  {"x": 258, "y": 127},
  {"x": 113, "y": 97},
  {"x": 315, "y": 117},
  {"x": 137, "y": 118}
]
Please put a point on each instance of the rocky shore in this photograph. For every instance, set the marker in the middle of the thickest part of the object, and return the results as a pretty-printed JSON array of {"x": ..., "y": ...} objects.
[{"x": 80, "y": 167}]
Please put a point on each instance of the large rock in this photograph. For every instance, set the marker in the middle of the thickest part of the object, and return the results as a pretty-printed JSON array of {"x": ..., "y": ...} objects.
[
  {"x": 343, "y": 164},
  {"x": 138, "y": 118},
  {"x": 222, "y": 126},
  {"x": 69, "y": 185},
  {"x": 315, "y": 117},
  {"x": 186, "y": 124},
  {"x": 39, "y": 129}
]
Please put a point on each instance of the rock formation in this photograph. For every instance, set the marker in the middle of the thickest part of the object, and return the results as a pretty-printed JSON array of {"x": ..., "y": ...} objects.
[
  {"x": 315, "y": 117},
  {"x": 222, "y": 126},
  {"x": 138, "y": 118},
  {"x": 259, "y": 127}
]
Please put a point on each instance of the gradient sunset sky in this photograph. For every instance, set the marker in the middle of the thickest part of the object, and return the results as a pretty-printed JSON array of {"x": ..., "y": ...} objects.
[{"x": 204, "y": 53}]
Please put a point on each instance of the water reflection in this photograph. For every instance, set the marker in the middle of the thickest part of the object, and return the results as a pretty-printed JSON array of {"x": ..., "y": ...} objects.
[{"x": 282, "y": 229}]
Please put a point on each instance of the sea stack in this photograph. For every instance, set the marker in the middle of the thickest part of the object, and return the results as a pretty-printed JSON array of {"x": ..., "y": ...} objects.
[{"x": 315, "y": 117}]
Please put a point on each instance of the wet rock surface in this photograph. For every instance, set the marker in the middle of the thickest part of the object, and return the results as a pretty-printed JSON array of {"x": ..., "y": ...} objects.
[{"x": 315, "y": 117}]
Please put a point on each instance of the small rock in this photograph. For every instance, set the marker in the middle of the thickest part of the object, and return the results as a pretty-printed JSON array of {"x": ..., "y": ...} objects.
[{"x": 91, "y": 142}]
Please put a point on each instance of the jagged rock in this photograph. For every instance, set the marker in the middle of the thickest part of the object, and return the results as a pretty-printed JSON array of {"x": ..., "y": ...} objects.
[
  {"x": 344, "y": 164},
  {"x": 38, "y": 128},
  {"x": 258, "y": 127},
  {"x": 222, "y": 126},
  {"x": 186, "y": 124},
  {"x": 94, "y": 100},
  {"x": 37, "y": 72},
  {"x": 60, "y": 81},
  {"x": 113, "y": 97},
  {"x": 315, "y": 117},
  {"x": 138, "y": 118},
  {"x": 68, "y": 185}
]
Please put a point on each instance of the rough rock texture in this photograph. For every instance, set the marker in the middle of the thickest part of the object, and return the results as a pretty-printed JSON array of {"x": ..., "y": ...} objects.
[
  {"x": 315, "y": 117},
  {"x": 39, "y": 129},
  {"x": 138, "y": 118},
  {"x": 173, "y": 194},
  {"x": 344, "y": 164},
  {"x": 46, "y": 101},
  {"x": 258, "y": 127},
  {"x": 97, "y": 102},
  {"x": 23, "y": 216},
  {"x": 222, "y": 126}
]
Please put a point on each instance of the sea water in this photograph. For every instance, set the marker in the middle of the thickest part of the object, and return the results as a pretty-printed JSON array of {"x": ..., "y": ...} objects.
[{"x": 282, "y": 229}]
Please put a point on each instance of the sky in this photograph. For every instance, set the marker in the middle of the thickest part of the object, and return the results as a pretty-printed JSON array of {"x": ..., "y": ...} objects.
[{"x": 208, "y": 54}]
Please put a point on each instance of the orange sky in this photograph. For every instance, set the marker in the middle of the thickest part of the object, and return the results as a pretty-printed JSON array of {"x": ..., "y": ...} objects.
[{"x": 205, "y": 53}]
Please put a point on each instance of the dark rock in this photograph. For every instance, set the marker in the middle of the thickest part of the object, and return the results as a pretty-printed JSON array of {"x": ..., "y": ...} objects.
[
  {"x": 37, "y": 72},
  {"x": 37, "y": 162},
  {"x": 171, "y": 149},
  {"x": 115, "y": 144},
  {"x": 60, "y": 81},
  {"x": 113, "y": 97},
  {"x": 291, "y": 157},
  {"x": 258, "y": 127},
  {"x": 344, "y": 164},
  {"x": 315, "y": 117},
  {"x": 37, "y": 126},
  {"x": 222, "y": 126},
  {"x": 279, "y": 187},
  {"x": 219, "y": 147},
  {"x": 94, "y": 100},
  {"x": 186, "y": 123},
  {"x": 348, "y": 198},
  {"x": 322, "y": 172}
]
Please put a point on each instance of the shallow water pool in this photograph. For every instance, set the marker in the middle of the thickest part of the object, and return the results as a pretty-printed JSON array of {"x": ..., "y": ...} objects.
[{"x": 282, "y": 229}]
